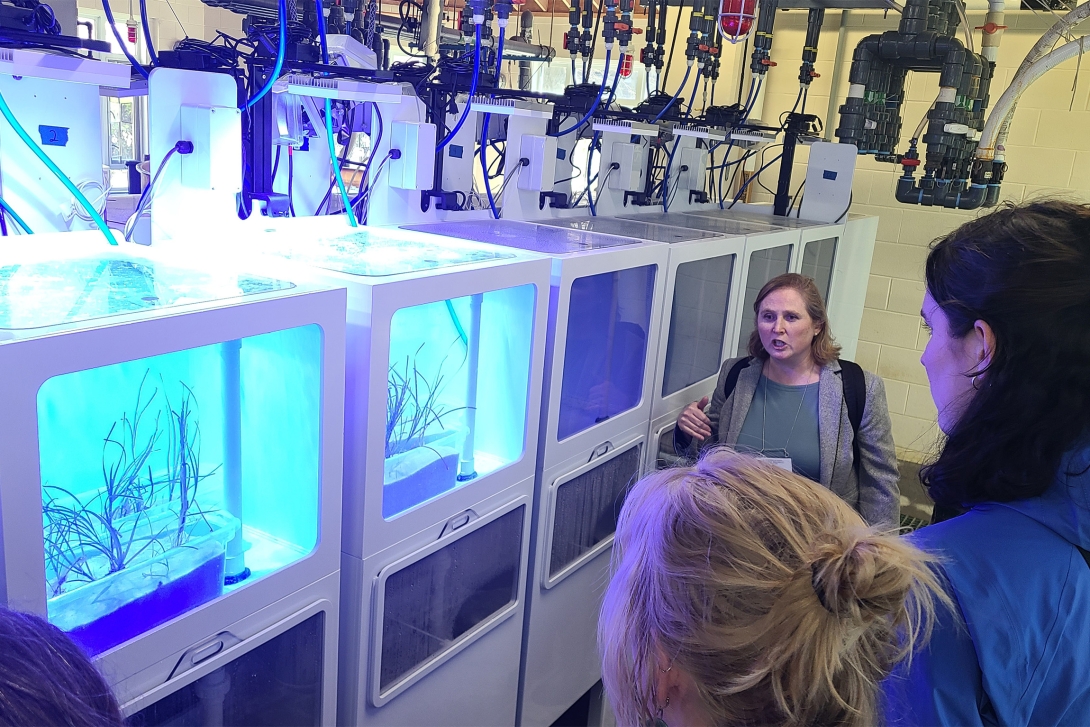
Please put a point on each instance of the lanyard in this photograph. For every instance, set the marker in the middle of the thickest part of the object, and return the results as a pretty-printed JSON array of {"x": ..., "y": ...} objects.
[{"x": 764, "y": 417}]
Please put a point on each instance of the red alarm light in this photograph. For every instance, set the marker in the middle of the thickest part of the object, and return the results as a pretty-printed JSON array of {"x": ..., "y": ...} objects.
[
  {"x": 736, "y": 18},
  {"x": 626, "y": 65}
]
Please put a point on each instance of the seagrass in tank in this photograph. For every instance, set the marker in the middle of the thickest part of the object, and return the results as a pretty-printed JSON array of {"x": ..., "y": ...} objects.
[
  {"x": 169, "y": 480},
  {"x": 456, "y": 393}
]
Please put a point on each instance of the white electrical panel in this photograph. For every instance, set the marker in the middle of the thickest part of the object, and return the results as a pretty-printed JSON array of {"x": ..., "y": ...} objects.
[
  {"x": 628, "y": 176},
  {"x": 828, "y": 191},
  {"x": 415, "y": 168},
  {"x": 539, "y": 174},
  {"x": 692, "y": 170},
  {"x": 215, "y": 132}
]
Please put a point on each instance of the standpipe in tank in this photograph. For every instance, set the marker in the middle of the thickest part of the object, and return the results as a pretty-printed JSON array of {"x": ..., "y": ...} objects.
[
  {"x": 466, "y": 467},
  {"x": 235, "y": 569}
]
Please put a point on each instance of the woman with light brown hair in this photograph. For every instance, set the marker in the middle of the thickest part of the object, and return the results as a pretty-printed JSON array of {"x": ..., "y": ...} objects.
[
  {"x": 744, "y": 594},
  {"x": 795, "y": 401}
]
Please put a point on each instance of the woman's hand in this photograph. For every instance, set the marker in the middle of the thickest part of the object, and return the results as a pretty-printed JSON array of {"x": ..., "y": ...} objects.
[{"x": 694, "y": 422}]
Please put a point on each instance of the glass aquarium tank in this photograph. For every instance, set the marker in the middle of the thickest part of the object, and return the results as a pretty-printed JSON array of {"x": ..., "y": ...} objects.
[
  {"x": 445, "y": 344},
  {"x": 457, "y": 391},
  {"x": 698, "y": 321},
  {"x": 818, "y": 258},
  {"x": 607, "y": 334},
  {"x": 763, "y": 266},
  {"x": 177, "y": 450},
  {"x": 609, "y": 315}
]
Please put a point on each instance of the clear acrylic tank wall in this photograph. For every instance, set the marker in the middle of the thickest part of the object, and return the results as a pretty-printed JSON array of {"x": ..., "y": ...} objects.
[
  {"x": 457, "y": 391},
  {"x": 168, "y": 479},
  {"x": 166, "y": 430}
]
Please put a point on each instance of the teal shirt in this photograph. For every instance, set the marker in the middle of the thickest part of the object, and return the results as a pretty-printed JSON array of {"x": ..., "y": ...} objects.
[{"x": 783, "y": 422}]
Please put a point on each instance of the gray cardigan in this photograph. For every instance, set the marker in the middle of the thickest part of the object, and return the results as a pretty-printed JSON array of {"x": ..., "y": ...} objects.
[{"x": 874, "y": 493}]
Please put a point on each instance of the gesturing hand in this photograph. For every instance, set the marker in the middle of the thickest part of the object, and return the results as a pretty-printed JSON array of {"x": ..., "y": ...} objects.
[{"x": 694, "y": 422}]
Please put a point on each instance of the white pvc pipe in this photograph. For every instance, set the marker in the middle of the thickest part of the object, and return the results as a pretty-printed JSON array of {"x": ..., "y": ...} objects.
[
  {"x": 989, "y": 147},
  {"x": 993, "y": 31},
  {"x": 1043, "y": 45}
]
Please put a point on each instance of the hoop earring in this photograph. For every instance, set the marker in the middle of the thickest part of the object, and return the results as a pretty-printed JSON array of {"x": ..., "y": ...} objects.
[{"x": 974, "y": 382}]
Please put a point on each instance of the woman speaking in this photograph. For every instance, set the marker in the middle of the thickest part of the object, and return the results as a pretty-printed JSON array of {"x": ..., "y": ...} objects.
[{"x": 794, "y": 401}]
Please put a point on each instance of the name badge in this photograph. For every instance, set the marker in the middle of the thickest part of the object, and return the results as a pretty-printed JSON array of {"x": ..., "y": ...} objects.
[{"x": 784, "y": 463}]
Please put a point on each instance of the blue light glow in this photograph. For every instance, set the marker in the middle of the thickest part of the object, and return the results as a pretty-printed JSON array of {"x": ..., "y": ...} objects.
[{"x": 151, "y": 496}]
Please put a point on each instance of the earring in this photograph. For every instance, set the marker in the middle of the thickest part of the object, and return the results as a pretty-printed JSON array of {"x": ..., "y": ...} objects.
[
  {"x": 974, "y": 382},
  {"x": 658, "y": 721}
]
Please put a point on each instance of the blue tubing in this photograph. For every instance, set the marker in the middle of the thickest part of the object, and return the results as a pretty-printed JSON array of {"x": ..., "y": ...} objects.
[
  {"x": 688, "y": 70},
  {"x": 484, "y": 133},
  {"x": 84, "y": 202},
  {"x": 282, "y": 6},
  {"x": 336, "y": 164},
  {"x": 472, "y": 91},
  {"x": 597, "y": 101},
  {"x": 124, "y": 48}
]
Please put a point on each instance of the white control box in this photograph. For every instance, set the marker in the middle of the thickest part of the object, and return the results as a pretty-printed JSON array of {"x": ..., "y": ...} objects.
[
  {"x": 415, "y": 168},
  {"x": 216, "y": 133},
  {"x": 539, "y": 174},
  {"x": 828, "y": 191},
  {"x": 631, "y": 158}
]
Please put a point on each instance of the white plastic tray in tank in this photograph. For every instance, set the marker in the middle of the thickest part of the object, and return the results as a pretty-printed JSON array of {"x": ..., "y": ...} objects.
[
  {"x": 329, "y": 243},
  {"x": 173, "y": 308},
  {"x": 708, "y": 224}
]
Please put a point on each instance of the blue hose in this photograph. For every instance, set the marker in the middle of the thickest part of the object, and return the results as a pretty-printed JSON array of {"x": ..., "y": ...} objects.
[
  {"x": 147, "y": 33},
  {"x": 282, "y": 41},
  {"x": 472, "y": 90},
  {"x": 597, "y": 101},
  {"x": 19, "y": 220},
  {"x": 345, "y": 200},
  {"x": 748, "y": 181},
  {"x": 124, "y": 48},
  {"x": 692, "y": 98},
  {"x": 484, "y": 132},
  {"x": 84, "y": 202}
]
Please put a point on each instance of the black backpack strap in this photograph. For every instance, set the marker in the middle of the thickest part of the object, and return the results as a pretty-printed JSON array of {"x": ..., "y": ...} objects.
[
  {"x": 855, "y": 398},
  {"x": 732, "y": 377}
]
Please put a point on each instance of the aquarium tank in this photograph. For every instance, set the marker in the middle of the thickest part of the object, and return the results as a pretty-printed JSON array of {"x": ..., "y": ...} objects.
[
  {"x": 457, "y": 392},
  {"x": 605, "y": 350},
  {"x": 698, "y": 322},
  {"x": 170, "y": 480},
  {"x": 817, "y": 263},
  {"x": 763, "y": 266}
]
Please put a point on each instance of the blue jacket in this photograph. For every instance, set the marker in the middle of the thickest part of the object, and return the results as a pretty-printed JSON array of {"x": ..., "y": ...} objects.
[{"x": 1022, "y": 654}]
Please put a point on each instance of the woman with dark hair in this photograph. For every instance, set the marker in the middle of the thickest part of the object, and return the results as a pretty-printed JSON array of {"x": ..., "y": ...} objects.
[
  {"x": 1008, "y": 304},
  {"x": 793, "y": 400},
  {"x": 46, "y": 680}
]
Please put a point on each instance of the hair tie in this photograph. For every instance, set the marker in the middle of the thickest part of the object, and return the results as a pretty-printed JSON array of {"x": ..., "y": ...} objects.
[{"x": 819, "y": 591}]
